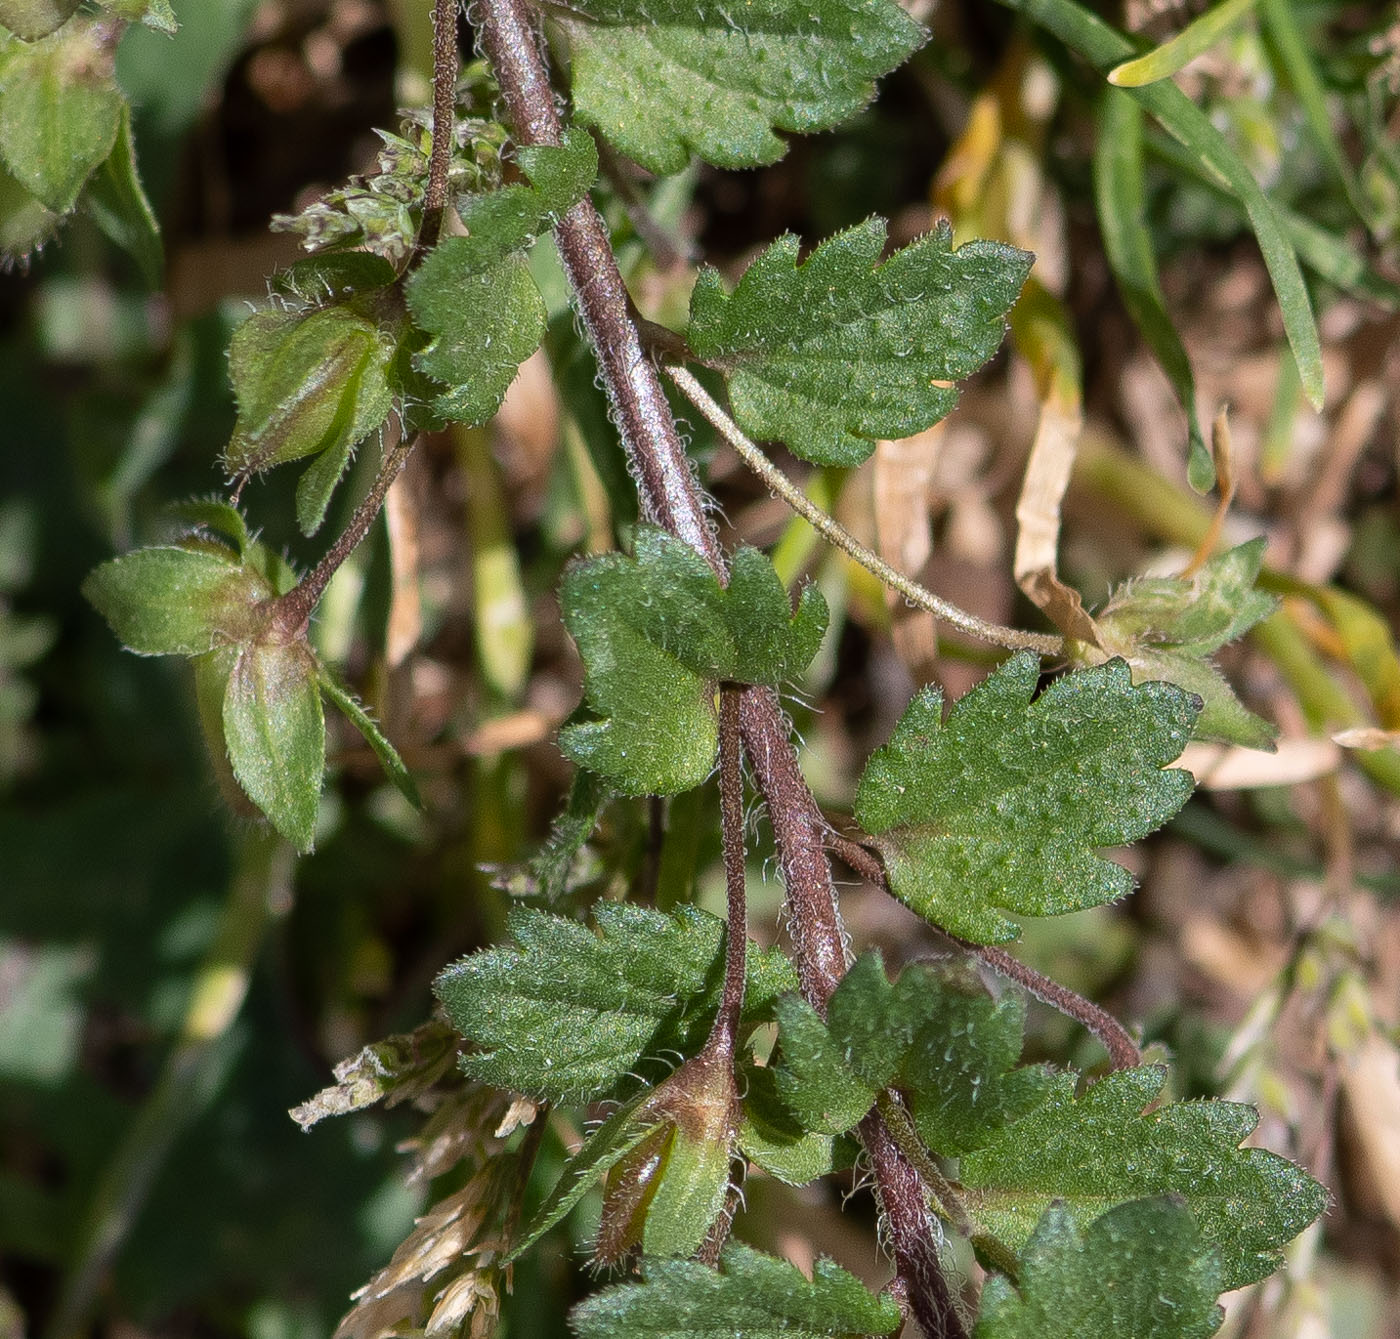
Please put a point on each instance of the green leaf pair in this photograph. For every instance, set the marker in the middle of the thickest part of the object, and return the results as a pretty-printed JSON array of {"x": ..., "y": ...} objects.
[
  {"x": 258, "y": 690},
  {"x": 658, "y": 633},
  {"x": 1024, "y": 1141}
]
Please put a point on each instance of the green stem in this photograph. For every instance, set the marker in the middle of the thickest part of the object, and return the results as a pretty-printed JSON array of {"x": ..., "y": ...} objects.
[
  {"x": 261, "y": 881},
  {"x": 833, "y": 531}
]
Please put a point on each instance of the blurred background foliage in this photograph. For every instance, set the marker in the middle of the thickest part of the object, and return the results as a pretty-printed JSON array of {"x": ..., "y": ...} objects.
[{"x": 170, "y": 984}]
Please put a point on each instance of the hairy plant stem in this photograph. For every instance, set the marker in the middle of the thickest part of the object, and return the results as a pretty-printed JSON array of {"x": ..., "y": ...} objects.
[
  {"x": 731, "y": 809},
  {"x": 444, "y": 105},
  {"x": 1099, "y": 1023},
  {"x": 671, "y": 497},
  {"x": 834, "y": 532},
  {"x": 292, "y": 612}
]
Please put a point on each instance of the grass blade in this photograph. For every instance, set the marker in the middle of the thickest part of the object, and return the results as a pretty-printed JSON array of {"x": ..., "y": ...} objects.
[
  {"x": 1104, "y": 47},
  {"x": 1198, "y": 36},
  {"x": 1122, "y": 206}
]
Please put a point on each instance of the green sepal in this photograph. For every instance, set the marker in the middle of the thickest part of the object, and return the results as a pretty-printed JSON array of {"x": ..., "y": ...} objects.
[
  {"x": 338, "y": 278},
  {"x": 1141, "y": 1270},
  {"x": 836, "y": 352},
  {"x": 33, "y": 19},
  {"x": 560, "y": 865},
  {"x": 1167, "y": 627},
  {"x": 117, "y": 201},
  {"x": 175, "y": 601},
  {"x": 305, "y": 384},
  {"x": 772, "y": 1138},
  {"x": 565, "y": 1014},
  {"x": 218, "y": 518},
  {"x": 664, "y": 80},
  {"x": 612, "y": 1141},
  {"x": 1006, "y": 804},
  {"x": 657, "y": 632},
  {"x": 354, "y": 711},
  {"x": 60, "y": 111},
  {"x": 474, "y": 295},
  {"x": 1101, "y": 1149},
  {"x": 275, "y": 732},
  {"x": 751, "y": 1294},
  {"x": 26, "y": 223}
]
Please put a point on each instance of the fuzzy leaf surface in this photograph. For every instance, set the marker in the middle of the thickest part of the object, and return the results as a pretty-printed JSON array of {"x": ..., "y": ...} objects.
[
  {"x": 474, "y": 296},
  {"x": 173, "y": 601},
  {"x": 275, "y": 732},
  {"x": 1167, "y": 627},
  {"x": 1140, "y": 1270},
  {"x": 665, "y": 79},
  {"x": 937, "y": 1034},
  {"x": 657, "y": 632},
  {"x": 836, "y": 352},
  {"x": 1006, "y": 804},
  {"x": 1100, "y": 1150},
  {"x": 566, "y": 1012},
  {"x": 60, "y": 111},
  {"x": 305, "y": 385},
  {"x": 771, "y": 1137},
  {"x": 752, "y": 1294}
]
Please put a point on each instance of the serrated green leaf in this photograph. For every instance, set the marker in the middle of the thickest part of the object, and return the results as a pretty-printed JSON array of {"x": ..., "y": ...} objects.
[
  {"x": 33, "y": 19},
  {"x": 1101, "y": 1149},
  {"x": 832, "y": 354},
  {"x": 832, "y": 1069},
  {"x": 1140, "y": 1271},
  {"x": 664, "y": 80},
  {"x": 752, "y": 1294},
  {"x": 305, "y": 384},
  {"x": 936, "y": 1033},
  {"x": 657, "y": 632},
  {"x": 117, "y": 201},
  {"x": 60, "y": 111},
  {"x": 567, "y": 1013},
  {"x": 174, "y": 601},
  {"x": 275, "y": 732},
  {"x": 1121, "y": 200},
  {"x": 474, "y": 295},
  {"x": 483, "y": 324},
  {"x": 772, "y": 1138},
  {"x": 387, "y": 754},
  {"x": 1166, "y": 627},
  {"x": 1006, "y": 804}
]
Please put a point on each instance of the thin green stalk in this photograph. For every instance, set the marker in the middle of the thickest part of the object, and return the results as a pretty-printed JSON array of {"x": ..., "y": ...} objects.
[
  {"x": 261, "y": 881},
  {"x": 842, "y": 538}
]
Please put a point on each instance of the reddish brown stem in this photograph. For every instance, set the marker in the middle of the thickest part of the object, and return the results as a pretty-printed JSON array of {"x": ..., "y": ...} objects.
[
  {"x": 643, "y": 416},
  {"x": 731, "y": 809},
  {"x": 290, "y": 613},
  {"x": 671, "y": 497},
  {"x": 444, "y": 106}
]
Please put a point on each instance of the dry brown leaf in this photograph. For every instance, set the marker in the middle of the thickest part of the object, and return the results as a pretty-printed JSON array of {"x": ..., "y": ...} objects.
[{"x": 1230, "y": 767}]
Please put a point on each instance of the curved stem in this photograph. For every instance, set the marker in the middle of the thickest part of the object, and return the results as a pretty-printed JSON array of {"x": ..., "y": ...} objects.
[
  {"x": 292, "y": 612},
  {"x": 1122, "y": 1051},
  {"x": 842, "y": 538}
]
